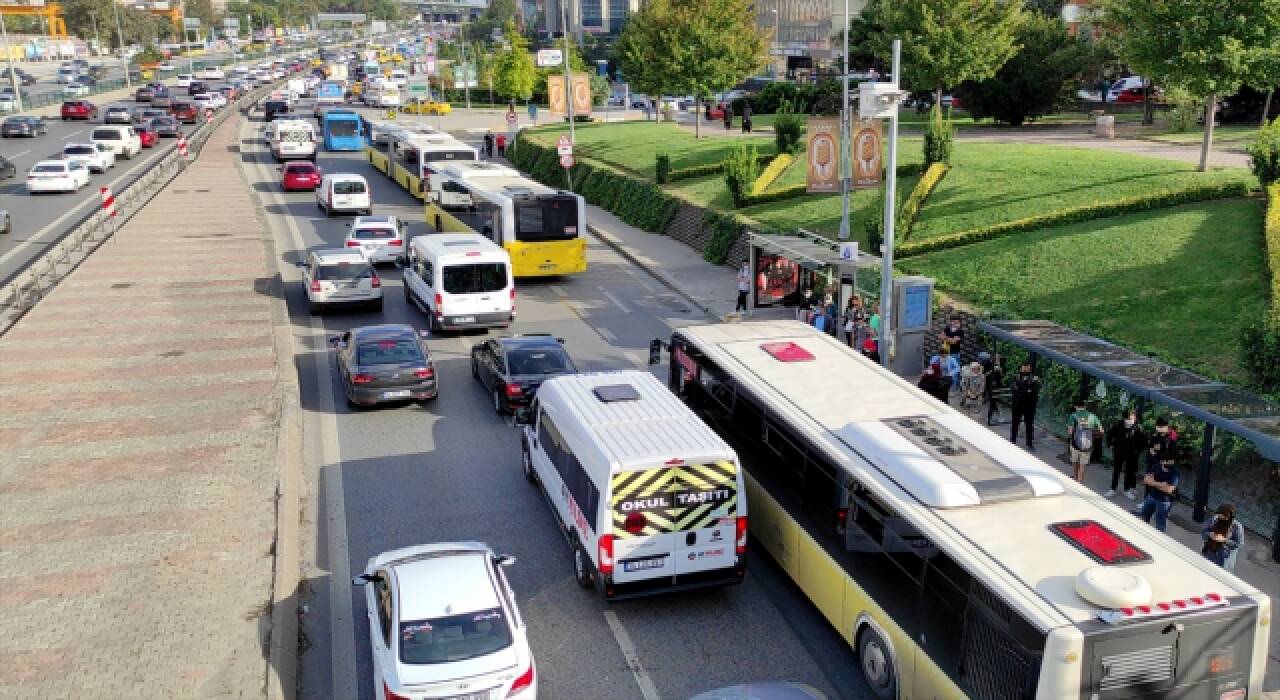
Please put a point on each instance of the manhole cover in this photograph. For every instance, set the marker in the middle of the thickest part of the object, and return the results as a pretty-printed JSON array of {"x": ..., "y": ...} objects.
[
  {"x": 173, "y": 353},
  {"x": 179, "y": 191},
  {"x": 202, "y": 190},
  {"x": 122, "y": 285}
]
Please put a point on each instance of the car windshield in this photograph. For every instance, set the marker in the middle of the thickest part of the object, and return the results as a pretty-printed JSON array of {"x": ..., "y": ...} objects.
[
  {"x": 16, "y": 121},
  {"x": 344, "y": 271},
  {"x": 348, "y": 187},
  {"x": 373, "y": 233},
  {"x": 474, "y": 278},
  {"x": 538, "y": 361},
  {"x": 79, "y": 150},
  {"x": 48, "y": 168},
  {"x": 454, "y": 638},
  {"x": 389, "y": 351}
]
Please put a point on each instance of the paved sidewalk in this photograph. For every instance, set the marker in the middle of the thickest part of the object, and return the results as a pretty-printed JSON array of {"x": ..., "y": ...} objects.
[
  {"x": 138, "y": 457},
  {"x": 714, "y": 289}
]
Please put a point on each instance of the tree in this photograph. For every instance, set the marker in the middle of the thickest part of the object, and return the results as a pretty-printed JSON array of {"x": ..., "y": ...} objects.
[
  {"x": 1208, "y": 47},
  {"x": 138, "y": 27},
  {"x": 203, "y": 10},
  {"x": 946, "y": 42},
  {"x": 864, "y": 28},
  {"x": 1038, "y": 80},
  {"x": 696, "y": 47},
  {"x": 513, "y": 70}
]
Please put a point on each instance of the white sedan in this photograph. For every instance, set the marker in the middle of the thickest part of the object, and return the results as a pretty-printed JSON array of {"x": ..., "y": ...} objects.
[
  {"x": 94, "y": 156},
  {"x": 443, "y": 623},
  {"x": 213, "y": 74},
  {"x": 75, "y": 90},
  {"x": 57, "y": 176}
]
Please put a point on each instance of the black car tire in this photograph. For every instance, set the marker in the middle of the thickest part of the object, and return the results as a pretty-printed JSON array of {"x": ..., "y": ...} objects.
[
  {"x": 376, "y": 306},
  {"x": 877, "y": 664},
  {"x": 581, "y": 571},
  {"x": 526, "y": 463},
  {"x": 498, "y": 406},
  {"x": 475, "y": 368}
]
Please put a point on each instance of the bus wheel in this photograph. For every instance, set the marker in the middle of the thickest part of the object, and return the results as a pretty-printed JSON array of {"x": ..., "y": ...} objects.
[
  {"x": 877, "y": 664},
  {"x": 526, "y": 461},
  {"x": 581, "y": 573},
  {"x": 439, "y": 226}
]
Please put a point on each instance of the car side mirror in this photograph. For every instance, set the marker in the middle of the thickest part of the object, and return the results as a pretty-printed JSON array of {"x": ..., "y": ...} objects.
[
  {"x": 523, "y": 416},
  {"x": 505, "y": 560}
]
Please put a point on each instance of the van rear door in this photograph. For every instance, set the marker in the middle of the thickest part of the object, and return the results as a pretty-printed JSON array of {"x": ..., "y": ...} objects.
[
  {"x": 675, "y": 519},
  {"x": 471, "y": 290}
]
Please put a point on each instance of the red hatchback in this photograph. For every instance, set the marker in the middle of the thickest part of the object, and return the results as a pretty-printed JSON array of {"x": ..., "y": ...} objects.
[
  {"x": 146, "y": 135},
  {"x": 300, "y": 176},
  {"x": 184, "y": 112},
  {"x": 79, "y": 109}
]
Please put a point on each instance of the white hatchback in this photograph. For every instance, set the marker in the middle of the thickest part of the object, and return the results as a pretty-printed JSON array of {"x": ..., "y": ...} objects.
[
  {"x": 340, "y": 277},
  {"x": 443, "y": 623},
  {"x": 57, "y": 176},
  {"x": 380, "y": 238}
]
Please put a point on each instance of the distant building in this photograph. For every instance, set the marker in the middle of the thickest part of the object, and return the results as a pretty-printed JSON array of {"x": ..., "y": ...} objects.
[
  {"x": 1077, "y": 13},
  {"x": 589, "y": 16}
]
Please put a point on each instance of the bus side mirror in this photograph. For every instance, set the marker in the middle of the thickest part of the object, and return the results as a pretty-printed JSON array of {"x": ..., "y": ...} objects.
[{"x": 655, "y": 351}]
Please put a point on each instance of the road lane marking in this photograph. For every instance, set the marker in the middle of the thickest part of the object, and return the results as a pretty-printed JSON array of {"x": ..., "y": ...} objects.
[
  {"x": 559, "y": 291},
  {"x": 19, "y": 155},
  {"x": 342, "y": 631},
  {"x": 616, "y": 302},
  {"x": 623, "y": 639}
]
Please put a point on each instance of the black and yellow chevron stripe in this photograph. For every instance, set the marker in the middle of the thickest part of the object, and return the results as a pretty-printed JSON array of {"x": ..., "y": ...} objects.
[{"x": 675, "y": 499}]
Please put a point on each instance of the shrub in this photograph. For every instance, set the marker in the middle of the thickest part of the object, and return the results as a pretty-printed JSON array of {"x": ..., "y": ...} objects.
[
  {"x": 1259, "y": 348},
  {"x": 705, "y": 169},
  {"x": 725, "y": 229},
  {"x": 1088, "y": 212},
  {"x": 771, "y": 173},
  {"x": 1271, "y": 245},
  {"x": 1184, "y": 111},
  {"x": 741, "y": 169},
  {"x": 777, "y": 195},
  {"x": 662, "y": 169},
  {"x": 787, "y": 127},
  {"x": 874, "y": 225},
  {"x": 911, "y": 208},
  {"x": 1264, "y": 154},
  {"x": 939, "y": 137}
]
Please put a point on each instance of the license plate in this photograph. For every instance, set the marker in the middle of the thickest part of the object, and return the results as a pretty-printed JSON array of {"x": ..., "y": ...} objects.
[
  {"x": 465, "y": 319},
  {"x": 645, "y": 564},
  {"x": 402, "y": 394},
  {"x": 547, "y": 266},
  {"x": 481, "y": 695}
]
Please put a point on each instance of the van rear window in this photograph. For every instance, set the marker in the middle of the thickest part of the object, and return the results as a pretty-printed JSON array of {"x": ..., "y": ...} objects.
[
  {"x": 474, "y": 278},
  {"x": 348, "y": 187}
]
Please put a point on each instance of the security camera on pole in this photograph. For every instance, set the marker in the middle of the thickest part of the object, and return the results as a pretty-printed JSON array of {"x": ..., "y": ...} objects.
[{"x": 880, "y": 101}]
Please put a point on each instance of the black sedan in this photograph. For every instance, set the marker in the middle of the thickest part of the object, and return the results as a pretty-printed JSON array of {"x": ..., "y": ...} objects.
[
  {"x": 166, "y": 126},
  {"x": 385, "y": 363},
  {"x": 23, "y": 126},
  {"x": 512, "y": 368}
]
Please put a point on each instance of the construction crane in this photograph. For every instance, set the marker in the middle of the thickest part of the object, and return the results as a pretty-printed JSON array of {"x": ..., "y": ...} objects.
[{"x": 52, "y": 12}]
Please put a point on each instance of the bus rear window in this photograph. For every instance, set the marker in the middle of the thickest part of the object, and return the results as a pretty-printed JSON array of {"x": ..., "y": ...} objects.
[
  {"x": 547, "y": 219},
  {"x": 342, "y": 127}
]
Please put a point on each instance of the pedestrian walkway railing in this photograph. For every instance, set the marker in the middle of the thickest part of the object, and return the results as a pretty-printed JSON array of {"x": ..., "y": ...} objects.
[
  {"x": 33, "y": 283},
  {"x": 44, "y": 99}
]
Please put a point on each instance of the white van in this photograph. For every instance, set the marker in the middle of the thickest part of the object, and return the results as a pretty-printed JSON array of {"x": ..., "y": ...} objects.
[
  {"x": 292, "y": 138},
  {"x": 388, "y": 95},
  {"x": 650, "y": 498},
  {"x": 460, "y": 280},
  {"x": 123, "y": 141},
  {"x": 399, "y": 78},
  {"x": 344, "y": 192}
]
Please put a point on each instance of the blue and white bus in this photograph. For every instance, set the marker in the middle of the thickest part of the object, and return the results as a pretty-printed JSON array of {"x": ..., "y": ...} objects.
[
  {"x": 331, "y": 92},
  {"x": 342, "y": 131}
]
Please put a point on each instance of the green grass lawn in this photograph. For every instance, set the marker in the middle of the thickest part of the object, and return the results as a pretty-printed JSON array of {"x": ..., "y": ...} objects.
[
  {"x": 1221, "y": 135},
  {"x": 636, "y": 145},
  {"x": 990, "y": 183},
  {"x": 820, "y": 213},
  {"x": 1177, "y": 282}
]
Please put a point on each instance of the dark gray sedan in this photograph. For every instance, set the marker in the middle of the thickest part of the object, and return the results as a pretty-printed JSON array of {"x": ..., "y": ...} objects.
[
  {"x": 385, "y": 363},
  {"x": 23, "y": 126},
  {"x": 166, "y": 126},
  {"x": 116, "y": 114}
]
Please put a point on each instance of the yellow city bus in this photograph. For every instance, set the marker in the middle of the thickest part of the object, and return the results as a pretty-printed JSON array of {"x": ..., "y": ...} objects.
[
  {"x": 953, "y": 563},
  {"x": 541, "y": 228}
]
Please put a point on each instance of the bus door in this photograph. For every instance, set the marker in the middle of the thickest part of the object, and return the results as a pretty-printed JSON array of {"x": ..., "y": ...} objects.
[{"x": 675, "y": 519}]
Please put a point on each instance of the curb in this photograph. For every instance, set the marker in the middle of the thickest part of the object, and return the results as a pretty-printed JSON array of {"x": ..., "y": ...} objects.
[{"x": 620, "y": 248}]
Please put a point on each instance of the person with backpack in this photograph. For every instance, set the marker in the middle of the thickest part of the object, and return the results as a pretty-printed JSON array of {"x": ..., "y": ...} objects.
[
  {"x": 1082, "y": 427},
  {"x": 1126, "y": 440},
  {"x": 1025, "y": 396},
  {"x": 1223, "y": 537},
  {"x": 1162, "y": 483}
]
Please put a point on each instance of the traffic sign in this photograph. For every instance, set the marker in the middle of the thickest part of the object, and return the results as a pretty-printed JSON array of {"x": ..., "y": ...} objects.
[
  {"x": 564, "y": 146},
  {"x": 511, "y": 117},
  {"x": 550, "y": 57},
  {"x": 566, "y": 161}
]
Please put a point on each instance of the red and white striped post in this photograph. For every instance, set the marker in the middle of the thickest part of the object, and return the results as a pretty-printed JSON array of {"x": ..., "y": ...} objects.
[
  {"x": 182, "y": 145},
  {"x": 108, "y": 206},
  {"x": 208, "y": 115}
]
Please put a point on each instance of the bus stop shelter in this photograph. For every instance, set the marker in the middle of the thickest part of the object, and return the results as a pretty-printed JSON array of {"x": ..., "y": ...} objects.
[
  {"x": 1218, "y": 405},
  {"x": 784, "y": 265}
]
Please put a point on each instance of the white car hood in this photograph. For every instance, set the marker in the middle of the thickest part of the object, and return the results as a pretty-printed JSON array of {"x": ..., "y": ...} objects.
[{"x": 478, "y": 673}]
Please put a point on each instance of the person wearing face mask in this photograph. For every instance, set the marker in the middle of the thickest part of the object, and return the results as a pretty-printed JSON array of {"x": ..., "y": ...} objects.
[
  {"x": 1126, "y": 440},
  {"x": 1025, "y": 395}
]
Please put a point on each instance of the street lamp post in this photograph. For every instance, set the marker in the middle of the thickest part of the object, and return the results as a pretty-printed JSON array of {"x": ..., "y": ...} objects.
[
  {"x": 777, "y": 40},
  {"x": 13, "y": 75},
  {"x": 124, "y": 62},
  {"x": 568, "y": 86},
  {"x": 890, "y": 204},
  {"x": 93, "y": 17},
  {"x": 845, "y": 156}
]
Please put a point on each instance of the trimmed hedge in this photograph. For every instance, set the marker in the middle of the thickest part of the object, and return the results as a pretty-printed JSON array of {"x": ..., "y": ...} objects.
[
  {"x": 725, "y": 229},
  {"x": 1271, "y": 235},
  {"x": 771, "y": 173},
  {"x": 708, "y": 169},
  {"x": 639, "y": 203},
  {"x": 911, "y": 208},
  {"x": 662, "y": 170},
  {"x": 1088, "y": 212}
]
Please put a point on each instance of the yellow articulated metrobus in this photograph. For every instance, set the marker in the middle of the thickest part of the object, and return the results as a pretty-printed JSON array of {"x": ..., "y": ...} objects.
[
  {"x": 955, "y": 564},
  {"x": 417, "y": 157},
  {"x": 541, "y": 228}
]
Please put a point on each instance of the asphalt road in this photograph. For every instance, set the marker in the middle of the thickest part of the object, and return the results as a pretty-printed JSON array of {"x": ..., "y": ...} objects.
[
  {"x": 387, "y": 478},
  {"x": 40, "y": 219}
]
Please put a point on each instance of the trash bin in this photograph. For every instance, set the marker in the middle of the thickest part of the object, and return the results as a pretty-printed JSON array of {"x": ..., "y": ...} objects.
[{"x": 1105, "y": 127}]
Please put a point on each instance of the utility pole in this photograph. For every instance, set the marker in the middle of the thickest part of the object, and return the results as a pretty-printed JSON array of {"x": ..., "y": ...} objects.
[
  {"x": 466, "y": 79},
  {"x": 568, "y": 85},
  {"x": 13, "y": 75},
  {"x": 890, "y": 203},
  {"x": 124, "y": 62},
  {"x": 93, "y": 17},
  {"x": 845, "y": 137}
]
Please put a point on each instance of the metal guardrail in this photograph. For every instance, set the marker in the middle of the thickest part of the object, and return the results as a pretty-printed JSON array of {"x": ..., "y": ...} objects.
[{"x": 32, "y": 284}]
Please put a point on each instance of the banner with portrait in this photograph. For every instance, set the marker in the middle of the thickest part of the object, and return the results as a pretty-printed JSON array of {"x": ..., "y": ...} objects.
[
  {"x": 557, "y": 95},
  {"x": 867, "y": 154},
  {"x": 823, "y": 155},
  {"x": 581, "y": 83}
]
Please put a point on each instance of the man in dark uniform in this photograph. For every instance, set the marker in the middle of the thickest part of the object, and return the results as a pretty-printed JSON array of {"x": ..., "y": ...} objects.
[{"x": 1026, "y": 394}]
